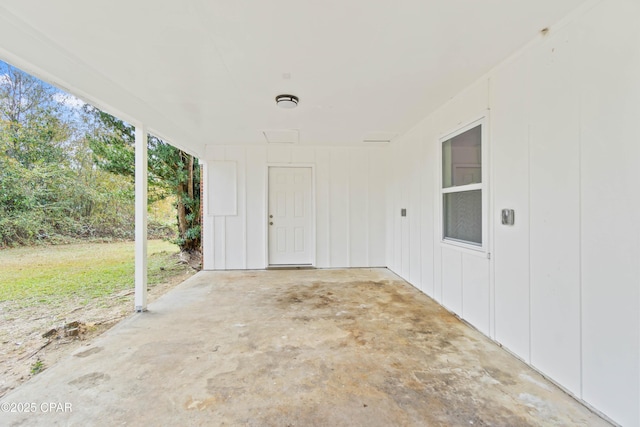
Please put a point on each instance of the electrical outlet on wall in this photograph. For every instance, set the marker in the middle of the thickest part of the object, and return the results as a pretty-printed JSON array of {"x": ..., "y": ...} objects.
[{"x": 508, "y": 216}]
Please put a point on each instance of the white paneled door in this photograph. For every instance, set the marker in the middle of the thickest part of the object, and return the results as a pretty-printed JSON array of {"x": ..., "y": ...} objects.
[{"x": 290, "y": 216}]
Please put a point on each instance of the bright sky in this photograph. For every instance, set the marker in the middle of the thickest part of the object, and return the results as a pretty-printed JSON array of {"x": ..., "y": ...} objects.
[{"x": 60, "y": 96}]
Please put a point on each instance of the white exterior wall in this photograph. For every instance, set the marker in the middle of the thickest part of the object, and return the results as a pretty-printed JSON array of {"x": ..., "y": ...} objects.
[
  {"x": 349, "y": 206},
  {"x": 562, "y": 287}
]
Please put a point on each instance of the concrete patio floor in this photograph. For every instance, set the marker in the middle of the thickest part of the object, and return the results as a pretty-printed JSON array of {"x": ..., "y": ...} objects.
[{"x": 293, "y": 348}]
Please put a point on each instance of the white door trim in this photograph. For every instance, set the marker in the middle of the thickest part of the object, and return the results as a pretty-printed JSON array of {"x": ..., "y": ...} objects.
[{"x": 313, "y": 208}]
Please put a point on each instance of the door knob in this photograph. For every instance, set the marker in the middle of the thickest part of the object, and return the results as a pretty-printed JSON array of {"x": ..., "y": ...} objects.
[
  {"x": 270, "y": 216},
  {"x": 271, "y": 223}
]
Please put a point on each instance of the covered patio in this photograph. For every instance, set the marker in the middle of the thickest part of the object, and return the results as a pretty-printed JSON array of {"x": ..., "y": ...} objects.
[
  {"x": 485, "y": 152},
  {"x": 295, "y": 348}
]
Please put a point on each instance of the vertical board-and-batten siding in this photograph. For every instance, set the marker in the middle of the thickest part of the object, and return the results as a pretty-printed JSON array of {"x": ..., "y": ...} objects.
[
  {"x": 562, "y": 287},
  {"x": 349, "y": 205}
]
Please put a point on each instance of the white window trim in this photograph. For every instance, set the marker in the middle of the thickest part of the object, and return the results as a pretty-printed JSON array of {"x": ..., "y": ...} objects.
[
  {"x": 483, "y": 186},
  {"x": 462, "y": 188}
]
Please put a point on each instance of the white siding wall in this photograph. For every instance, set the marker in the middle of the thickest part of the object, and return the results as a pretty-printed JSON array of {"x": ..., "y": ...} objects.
[
  {"x": 562, "y": 288},
  {"x": 349, "y": 198}
]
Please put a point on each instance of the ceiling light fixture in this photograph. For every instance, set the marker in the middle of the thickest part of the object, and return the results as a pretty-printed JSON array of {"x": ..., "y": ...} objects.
[{"x": 287, "y": 101}]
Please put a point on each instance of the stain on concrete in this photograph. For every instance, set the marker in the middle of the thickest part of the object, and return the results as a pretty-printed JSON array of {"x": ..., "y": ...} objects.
[
  {"x": 88, "y": 352},
  {"x": 90, "y": 380},
  {"x": 299, "y": 348},
  {"x": 399, "y": 355},
  {"x": 499, "y": 375}
]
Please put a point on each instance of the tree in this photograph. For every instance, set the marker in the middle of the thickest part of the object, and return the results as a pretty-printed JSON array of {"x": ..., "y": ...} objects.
[
  {"x": 50, "y": 190},
  {"x": 33, "y": 163},
  {"x": 33, "y": 129},
  {"x": 171, "y": 172}
]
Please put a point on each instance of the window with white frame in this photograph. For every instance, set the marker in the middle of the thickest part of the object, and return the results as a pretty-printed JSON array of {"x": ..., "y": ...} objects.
[{"x": 462, "y": 186}]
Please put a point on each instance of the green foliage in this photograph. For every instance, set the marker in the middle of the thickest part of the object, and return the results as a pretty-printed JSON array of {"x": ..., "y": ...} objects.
[
  {"x": 33, "y": 130},
  {"x": 50, "y": 188},
  {"x": 37, "y": 367},
  {"x": 171, "y": 172}
]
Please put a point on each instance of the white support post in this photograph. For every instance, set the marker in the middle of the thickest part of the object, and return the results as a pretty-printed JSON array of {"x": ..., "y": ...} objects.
[{"x": 141, "y": 220}]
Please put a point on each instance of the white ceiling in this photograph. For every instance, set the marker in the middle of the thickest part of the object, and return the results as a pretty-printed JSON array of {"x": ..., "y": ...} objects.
[{"x": 199, "y": 72}]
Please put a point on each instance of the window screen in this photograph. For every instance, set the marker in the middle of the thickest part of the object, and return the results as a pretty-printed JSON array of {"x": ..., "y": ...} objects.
[
  {"x": 462, "y": 187},
  {"x": 463, "y": 216}
]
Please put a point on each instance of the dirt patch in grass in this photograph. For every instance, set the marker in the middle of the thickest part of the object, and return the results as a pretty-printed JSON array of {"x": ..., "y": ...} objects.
[{"x": 48, "y": 309}]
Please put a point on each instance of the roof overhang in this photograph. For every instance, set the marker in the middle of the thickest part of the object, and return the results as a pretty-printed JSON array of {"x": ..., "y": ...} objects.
[{"x": 199, "y": 72}]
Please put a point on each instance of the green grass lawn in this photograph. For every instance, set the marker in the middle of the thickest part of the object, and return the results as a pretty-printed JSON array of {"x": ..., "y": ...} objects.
[{"x": 83, "y": 271}]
